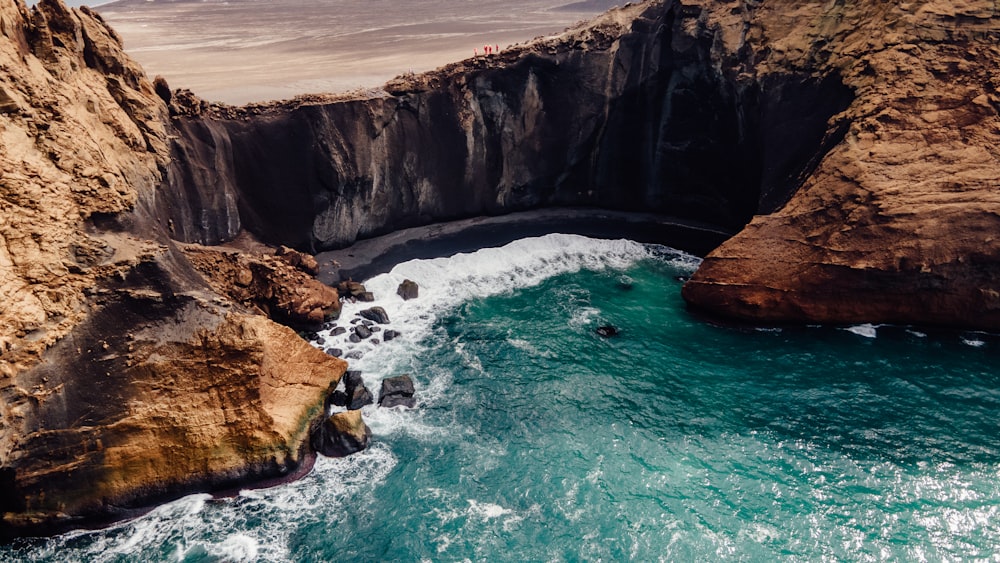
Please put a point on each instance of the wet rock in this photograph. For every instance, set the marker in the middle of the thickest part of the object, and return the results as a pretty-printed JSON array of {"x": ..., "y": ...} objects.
[
  {"x": 359, "y": 397},
  {"x": 606, "y": 331},
  {"x": 342, "y": 434},
  {"x": 335, "y": 352},
  {"x": 375, "y": 341},
  {"x": 408, "y": 290},
  {"x": 399, "y": 385},
  {"x": 367, "y": 297},
  {"x": 390, "y": 335},
  {"x": 367, "y": 323},
  {"x": 376, "y": 314},
  {"x": 397, "y": 392},
  {"x": 354, "y": 337},
  {"x": 354, "y": 355},
  {"x": 362, "y": 332},
  {"x": 397, "y": 401},
  {"x": 338, "y": 331},
  {"x": 337, "y": 399},
  {"x": 375, "y": 328},
  {"x": 355, "y": 391}
]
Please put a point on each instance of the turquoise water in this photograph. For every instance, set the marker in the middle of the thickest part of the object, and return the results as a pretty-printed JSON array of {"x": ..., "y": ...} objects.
[{"x": 536, "y": 439}]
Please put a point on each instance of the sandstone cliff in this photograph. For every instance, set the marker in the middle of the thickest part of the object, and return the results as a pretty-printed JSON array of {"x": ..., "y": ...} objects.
[
  {"x": 859, "y": 140},
  {"x": 900, "y": 222},
  {"x": 124, "y": 377}
]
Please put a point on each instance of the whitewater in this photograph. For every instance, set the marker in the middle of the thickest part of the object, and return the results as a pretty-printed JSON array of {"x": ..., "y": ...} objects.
[{"x": 536, "y": 439}]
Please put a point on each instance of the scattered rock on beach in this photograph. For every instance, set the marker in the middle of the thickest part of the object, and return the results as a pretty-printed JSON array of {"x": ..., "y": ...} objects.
[
  {"x": 376, "y": 314},
  {"x": 362, "y": 331},
  {"x": 408, "y": 290}
]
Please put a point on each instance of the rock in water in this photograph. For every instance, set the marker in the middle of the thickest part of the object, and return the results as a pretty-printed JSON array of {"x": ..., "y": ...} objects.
[
  {"x": 606, "y": 331},
  {"x": 342, "y": 434},
  {"x": 390, "y": 335},
  {"x": 408, "y": 290},
  {"x": 362, "y": 331},
  {"x": 399, "y": 385},
  {"x": 397, "y": 391},
  {"x": 359, "y": 397},
  {"x": 376, "y": 314}
]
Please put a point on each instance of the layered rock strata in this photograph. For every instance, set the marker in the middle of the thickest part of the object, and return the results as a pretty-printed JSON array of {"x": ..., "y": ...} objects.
[{"x": 124, "y": 377}]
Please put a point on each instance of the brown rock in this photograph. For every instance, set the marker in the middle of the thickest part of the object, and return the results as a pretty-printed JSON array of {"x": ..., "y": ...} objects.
[
  {"x": 408, "y": 289},
  {"x": 898, "y": 222}
]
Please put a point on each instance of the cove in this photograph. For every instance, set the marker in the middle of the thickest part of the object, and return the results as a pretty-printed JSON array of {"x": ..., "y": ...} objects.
[{"x": 535, "y": 439}]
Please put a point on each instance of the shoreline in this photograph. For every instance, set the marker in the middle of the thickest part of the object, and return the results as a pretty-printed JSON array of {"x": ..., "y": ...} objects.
[{"x": 378, "y": 255}]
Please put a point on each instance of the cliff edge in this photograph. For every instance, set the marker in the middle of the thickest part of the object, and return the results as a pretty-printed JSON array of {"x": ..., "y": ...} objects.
[
  {"x": 900, "y": 221},
  {"x": 124, "y": 377}
]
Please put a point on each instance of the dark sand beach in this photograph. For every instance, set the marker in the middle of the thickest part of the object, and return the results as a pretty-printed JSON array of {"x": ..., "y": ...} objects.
[
  {"x": 245, "y": 51},
  {"x": 370, "y": 257}
]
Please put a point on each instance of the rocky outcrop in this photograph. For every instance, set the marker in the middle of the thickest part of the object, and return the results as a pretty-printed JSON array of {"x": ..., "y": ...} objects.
[
  {"x": 342, "y": 434},
  {"x": 125, "y": 378},
  {"x": 858, "y": 139},
  {"x": 280, "y": 286},
  {"x": 900, "y": 221}
]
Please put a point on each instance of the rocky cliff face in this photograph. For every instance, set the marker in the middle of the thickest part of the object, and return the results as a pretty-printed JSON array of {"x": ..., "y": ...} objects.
[
  {"x": 633, "y": 111},
  {"x": 860, "y": 138},
  {"x": 900, "y": 221},
  {"x": 124, "y": 377}
]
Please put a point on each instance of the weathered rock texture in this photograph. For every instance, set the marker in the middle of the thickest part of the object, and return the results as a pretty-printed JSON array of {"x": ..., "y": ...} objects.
[
  {"x": 124, "y": 378},
  {"x": 862, "y": 135},
  {"x": 900, "y": 221},
  {"x": 642, "y": 110}
]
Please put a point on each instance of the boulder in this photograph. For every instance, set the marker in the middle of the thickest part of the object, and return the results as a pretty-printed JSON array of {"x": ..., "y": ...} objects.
[
  {"x": 359, "y": 397},
  {"x": 336, "y": 399},
  {"x": 335, "y": 352},
  {"x": 376, "y": 314},
  {"x": 397, "y": 391},
  {"x": 354, "y": 355},
  {"x": 408, "y": 290},
  {"x": 342, "y": 434},
  {"x": 338, "y": 331},
  {"x": 362, "y": 332},
  {"x": 399, "y": 385},
  {"x": 390, "y": 335}
]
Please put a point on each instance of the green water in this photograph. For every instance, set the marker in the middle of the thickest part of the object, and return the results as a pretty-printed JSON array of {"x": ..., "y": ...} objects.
[{"x": 536, "y": 439}]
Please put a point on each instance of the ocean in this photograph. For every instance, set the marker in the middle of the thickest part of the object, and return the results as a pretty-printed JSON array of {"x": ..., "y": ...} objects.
[{"x": 536, "y": 439}]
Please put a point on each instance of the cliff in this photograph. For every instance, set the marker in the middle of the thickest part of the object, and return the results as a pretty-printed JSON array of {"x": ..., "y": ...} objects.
[
  {"x": 900, "y": 221},
  {"x": 852, "y": 145},
  {"x": 124, "y": 377},
  {"x": 633, "y": 111},
  {"x": 856, "y": 141}
]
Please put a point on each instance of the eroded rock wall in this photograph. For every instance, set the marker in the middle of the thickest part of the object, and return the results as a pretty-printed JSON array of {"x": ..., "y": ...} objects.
[
  {"x": 647, "y": 108},
  {"x": 900, "y": 221},
  {"x": 124, "y": 377}
]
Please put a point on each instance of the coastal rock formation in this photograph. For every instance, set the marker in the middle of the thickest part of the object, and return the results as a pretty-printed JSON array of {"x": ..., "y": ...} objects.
[
  {"x": 124, "y": 377},
  {"x": 342, "y": 434},
  {"x": 859, "y": 137},
  {"x": 633, "y": 111},
  {"x": 900, "y": 221},
  {"x": 279, "y": 287},
  {"x": 855, "y": 145}
]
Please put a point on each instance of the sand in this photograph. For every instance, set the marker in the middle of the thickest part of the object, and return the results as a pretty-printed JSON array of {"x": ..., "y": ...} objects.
[
  {"x": 367, "y": 258},
  {"x": 243, "y": 51}
]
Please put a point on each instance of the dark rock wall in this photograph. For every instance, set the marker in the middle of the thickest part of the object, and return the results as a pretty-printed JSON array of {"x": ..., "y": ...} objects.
[{"x": 651, "y": 116}]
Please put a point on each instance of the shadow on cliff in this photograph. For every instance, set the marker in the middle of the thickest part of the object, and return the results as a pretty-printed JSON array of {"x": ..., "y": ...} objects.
[{"x": 654, "y": 117}]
